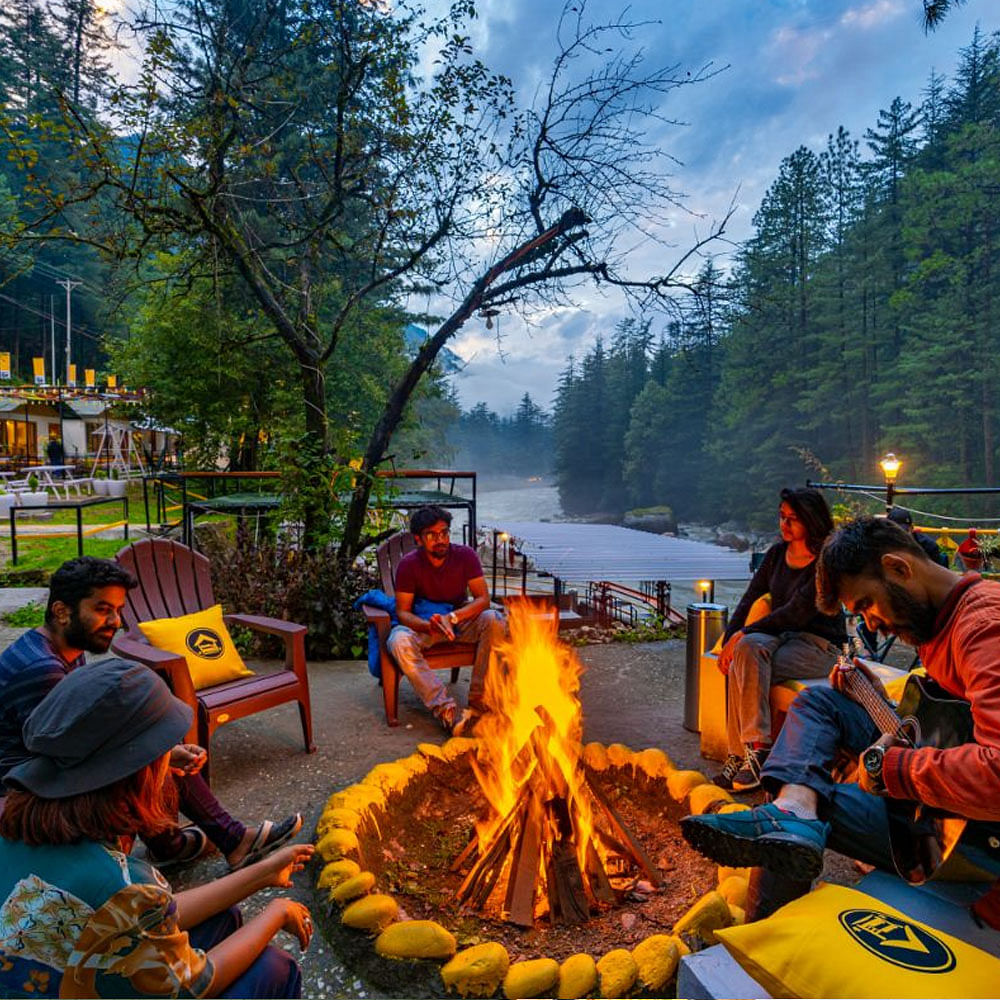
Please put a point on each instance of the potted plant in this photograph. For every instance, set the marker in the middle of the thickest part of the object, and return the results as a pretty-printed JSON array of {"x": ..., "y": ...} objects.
[
  {"x": 116, "y": 487},
  {"x": 100, "y": 483},
  {"x": 33, "y": 495}
]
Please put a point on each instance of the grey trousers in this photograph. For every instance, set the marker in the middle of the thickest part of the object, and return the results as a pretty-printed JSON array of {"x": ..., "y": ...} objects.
[
  {"x": 407, "y": 648},
  {"x": 759, "y": 661}
]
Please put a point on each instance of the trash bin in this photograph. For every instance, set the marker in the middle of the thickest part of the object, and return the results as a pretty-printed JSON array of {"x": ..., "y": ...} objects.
[{"x": 705, "y": 623}]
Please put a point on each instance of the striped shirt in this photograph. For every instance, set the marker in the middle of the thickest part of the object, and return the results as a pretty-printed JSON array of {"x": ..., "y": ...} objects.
[{"x": 30, "y": 668}]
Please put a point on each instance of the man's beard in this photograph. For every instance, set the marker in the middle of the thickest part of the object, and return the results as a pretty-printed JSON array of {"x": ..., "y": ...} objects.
[
  {"x": 912, "y": 620},
  {"x": 77, "y": 637}
]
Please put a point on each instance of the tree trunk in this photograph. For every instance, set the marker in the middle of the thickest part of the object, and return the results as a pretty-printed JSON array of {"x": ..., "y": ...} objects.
[{"x": 316, "y": 515}]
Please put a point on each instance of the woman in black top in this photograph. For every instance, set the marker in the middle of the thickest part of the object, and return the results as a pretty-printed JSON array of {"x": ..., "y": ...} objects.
[{"x": 793, "y": 640}]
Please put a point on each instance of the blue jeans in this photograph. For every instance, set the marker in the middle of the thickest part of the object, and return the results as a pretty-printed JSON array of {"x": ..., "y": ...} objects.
[
  {"x": 200, "y": 805},
  {"x": 274, "y": 973},
  {"x": 820, "y": 722}
]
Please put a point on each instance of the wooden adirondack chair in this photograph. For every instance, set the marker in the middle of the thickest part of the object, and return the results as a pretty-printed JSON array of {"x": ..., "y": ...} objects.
[
  {"x": 441, "y": 656},
  {"x": 174, "y": 580}
]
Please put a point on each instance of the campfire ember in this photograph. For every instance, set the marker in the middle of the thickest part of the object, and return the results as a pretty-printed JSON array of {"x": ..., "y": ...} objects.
[{"x": 552, "y": 845}]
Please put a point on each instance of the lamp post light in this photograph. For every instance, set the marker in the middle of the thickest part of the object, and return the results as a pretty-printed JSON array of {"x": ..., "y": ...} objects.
[
  {"x": 890, "y": 469},
  {"x": 503, "y": 536},
  {"x": 707, "y": 590}
]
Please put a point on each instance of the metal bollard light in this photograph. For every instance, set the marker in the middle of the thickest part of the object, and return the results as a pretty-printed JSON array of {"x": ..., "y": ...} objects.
[{"x": 705, "y": 623}]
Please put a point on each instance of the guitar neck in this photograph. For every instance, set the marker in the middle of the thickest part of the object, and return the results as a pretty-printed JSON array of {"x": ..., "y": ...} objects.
[{"x": 861, "y": 689}]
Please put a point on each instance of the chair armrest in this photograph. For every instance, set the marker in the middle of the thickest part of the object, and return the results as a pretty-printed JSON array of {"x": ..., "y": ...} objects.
[
  {"x": 293, "y": 634},
  {"x": 380, "y": 619}
]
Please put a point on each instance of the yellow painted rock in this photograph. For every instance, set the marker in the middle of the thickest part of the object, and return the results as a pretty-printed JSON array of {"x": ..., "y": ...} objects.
[
  {"x": 337, "y": 843},
  {"x": 725, "y": 872},
  {"x": 371, "y": 913},
  {"x": 655, "y": 763},
  {"x": 738, "y": 913},
  {"x": 656, "y": 959},
  {"x": 352, "y": 887},
  {"x": 617, "y": 973},
  {"x": 680, "y": 783},
  {"x": 682, "y": 948},
  {"x": 391, "y": 777},
  {"x": 456, "y": 746},
  {"x": 701, "y": 797},
  {"x": 336, "y": 872},
  {"x": 415, "y": 939},
  {"x": 534, "y": 978},
  {"x": 704, "y": 918},
  {"x": 346, "y": 819},
  {"x": 430, "y": 751},
  {"x": 360, "y": 798},
  {"x": 620, "y": 755},
  {"x": 477, "y": 971},
  {"x": 734, "y": 891},
  {"x": 415, "y": 764},
  {"x": 577, "y": 977},
  {"x": 595, "y": 755},
  {"x": 734, "y": 807}
]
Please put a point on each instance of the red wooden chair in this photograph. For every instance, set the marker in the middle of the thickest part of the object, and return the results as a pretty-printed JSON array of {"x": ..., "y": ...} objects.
[
  {"x": 441, "y": 656},
  {"x": 174, "y": 580}
]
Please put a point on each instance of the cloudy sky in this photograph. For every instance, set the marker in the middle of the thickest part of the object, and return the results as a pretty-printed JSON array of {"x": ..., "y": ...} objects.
[{"x": 797, "y": 69}]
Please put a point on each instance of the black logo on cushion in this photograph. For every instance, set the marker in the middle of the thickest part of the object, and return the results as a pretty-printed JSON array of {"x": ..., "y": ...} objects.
[
  {"x": 898, "y": 941},
  {"x": 205, "y": 642}
]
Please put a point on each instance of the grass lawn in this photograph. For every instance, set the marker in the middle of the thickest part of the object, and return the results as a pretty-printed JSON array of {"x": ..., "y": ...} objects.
[{"x": 42, "y": 553}]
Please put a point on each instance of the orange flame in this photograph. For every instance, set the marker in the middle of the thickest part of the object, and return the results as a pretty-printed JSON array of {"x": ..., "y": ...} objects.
[{"x": 533, "y": 731}]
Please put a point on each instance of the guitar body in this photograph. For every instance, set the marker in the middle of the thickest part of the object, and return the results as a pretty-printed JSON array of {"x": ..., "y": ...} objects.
[{"x": 922, "y": 838}]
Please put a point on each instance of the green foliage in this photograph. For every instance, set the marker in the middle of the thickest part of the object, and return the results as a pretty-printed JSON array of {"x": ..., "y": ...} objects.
[{"x": 31, "y": 615}]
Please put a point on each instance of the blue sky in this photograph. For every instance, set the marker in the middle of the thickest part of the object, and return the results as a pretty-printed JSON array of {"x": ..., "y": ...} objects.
[{"x": 797, "y": 69}]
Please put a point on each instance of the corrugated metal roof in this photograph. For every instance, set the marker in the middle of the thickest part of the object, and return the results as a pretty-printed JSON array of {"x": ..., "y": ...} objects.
[{"x": 585, "y": 552}]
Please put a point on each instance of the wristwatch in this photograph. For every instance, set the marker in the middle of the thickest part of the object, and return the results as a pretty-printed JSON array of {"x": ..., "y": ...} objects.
[
  {"x": 453, "y": 618},
  {"x": 872, "y": 760}
]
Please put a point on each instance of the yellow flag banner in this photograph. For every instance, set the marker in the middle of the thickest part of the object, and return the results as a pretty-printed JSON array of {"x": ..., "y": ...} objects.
[
  {"x": 5, "y": 365},
  {"x": 90, "y": 377},
  {"x": 39, "y": 366},
  {"x": 72, "y": 375},
  {"x": 112, "y": 381},
  {"x": 839, "y": 942}
]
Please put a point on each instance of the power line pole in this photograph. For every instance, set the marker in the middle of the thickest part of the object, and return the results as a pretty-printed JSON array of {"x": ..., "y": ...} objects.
[
  {"x": 52, "y": 332},
  {"x": 69, "y": 284}
]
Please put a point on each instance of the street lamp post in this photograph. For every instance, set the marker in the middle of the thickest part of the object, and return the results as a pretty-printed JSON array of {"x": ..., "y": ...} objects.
[
  {"x": 503, "y": 536},
  {"x": 890, "y": 469},
  {"x": 707, "y": 590}
]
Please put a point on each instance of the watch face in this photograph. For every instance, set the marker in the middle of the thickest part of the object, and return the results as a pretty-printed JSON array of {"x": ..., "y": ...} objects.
[{"x": 873, "y": 761}]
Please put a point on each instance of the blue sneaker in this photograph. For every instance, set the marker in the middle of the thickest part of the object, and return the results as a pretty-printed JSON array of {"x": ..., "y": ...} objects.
[{"x": 765, "y": 837}]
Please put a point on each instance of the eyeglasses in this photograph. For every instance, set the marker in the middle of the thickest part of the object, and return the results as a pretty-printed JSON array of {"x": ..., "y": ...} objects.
[{"x": 443, "y": 535}]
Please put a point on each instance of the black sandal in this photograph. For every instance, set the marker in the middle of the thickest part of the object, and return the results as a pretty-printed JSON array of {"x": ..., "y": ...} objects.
[
  {"x": 195, "y": 845},
  {"x": 270, "y": 836}
]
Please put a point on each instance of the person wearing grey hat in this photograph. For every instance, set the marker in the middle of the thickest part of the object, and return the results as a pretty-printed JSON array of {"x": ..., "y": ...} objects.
[
  {"x": 904, "y": 519},
  {"x": 80, "y": 917},
  {"x": 86, "y": 596}
]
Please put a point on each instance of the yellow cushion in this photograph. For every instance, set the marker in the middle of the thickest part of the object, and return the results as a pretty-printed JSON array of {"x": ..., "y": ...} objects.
[
  {"x": 203, "y": 640},
  {"x": 838, "y": 942},
  {"x": 759, "y": 608}
]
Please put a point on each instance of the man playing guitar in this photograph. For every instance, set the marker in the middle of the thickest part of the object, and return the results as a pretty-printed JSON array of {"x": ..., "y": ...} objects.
[{"x": 876, "y": 570}]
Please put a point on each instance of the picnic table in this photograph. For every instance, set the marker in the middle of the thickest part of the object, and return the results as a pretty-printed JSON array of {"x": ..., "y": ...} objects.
[
  {"x": 77, "y": 505},
  {"x": 58, "y": 477}
]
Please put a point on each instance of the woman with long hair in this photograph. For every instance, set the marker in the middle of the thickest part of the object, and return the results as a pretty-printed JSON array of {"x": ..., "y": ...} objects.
[
  {"x": 792, "y": 640},
  {"x": 79, "y": 915}
]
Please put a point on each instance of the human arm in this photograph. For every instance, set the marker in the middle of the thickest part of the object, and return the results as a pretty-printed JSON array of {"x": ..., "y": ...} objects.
[
  {"x": 236, "y": 953},
  {"x": 965, "y": 779},
  {"x": 198, "y": 904},
  {"x": 760, "y": 584},
  {"x": 479, "y": 603},
  {"x": 437, "y": 623}
]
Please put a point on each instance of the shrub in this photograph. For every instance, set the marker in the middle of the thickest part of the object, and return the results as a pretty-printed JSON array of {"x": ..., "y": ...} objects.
[{"x": 284, "y": 582}]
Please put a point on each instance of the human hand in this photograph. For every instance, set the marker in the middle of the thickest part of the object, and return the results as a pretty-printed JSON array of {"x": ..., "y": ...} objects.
[
  {"x": 868, "y": 782},
  {"x": 440, "y": 623},
  {"x": 277, "y": 869},
  {"x": 295, "y": 919},
  {"x": 727, "y": 652},
  {"x": 187, "y": 759},
  {"x": 842, "y": 670}
]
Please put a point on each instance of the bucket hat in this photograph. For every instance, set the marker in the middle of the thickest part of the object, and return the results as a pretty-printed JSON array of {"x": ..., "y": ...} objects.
[{"x": 102, "y": 723}]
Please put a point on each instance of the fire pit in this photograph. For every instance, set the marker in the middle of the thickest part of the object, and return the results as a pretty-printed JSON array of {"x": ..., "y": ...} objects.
[{"x": 522, "y": 858}]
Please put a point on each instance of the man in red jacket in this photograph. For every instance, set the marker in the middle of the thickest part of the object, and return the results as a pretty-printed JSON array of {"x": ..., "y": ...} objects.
[{"x": 876, "y": 570}]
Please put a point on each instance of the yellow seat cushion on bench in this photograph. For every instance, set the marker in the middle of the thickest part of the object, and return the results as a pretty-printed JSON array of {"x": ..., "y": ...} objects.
[{"x": 839, "y": 942}]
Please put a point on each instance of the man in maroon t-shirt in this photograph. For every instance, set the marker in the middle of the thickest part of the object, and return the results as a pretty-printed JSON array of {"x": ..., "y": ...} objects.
[{"x": 445, "y": 574}]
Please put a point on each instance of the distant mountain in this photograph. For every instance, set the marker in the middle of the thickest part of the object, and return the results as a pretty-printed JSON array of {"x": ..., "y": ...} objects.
[{"x": 415, "y": 336}]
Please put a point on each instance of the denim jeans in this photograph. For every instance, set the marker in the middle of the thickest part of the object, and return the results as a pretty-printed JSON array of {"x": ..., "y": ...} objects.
[
  {"x": 274, "y": 973},
  {"x": 200, "y": 805},
  {"x": 820, "y": 722},
  {"x": 407, "y": 648}
]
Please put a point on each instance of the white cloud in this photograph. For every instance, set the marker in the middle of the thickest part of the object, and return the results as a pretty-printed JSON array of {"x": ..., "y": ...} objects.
[{"x": 872, "y": 15}]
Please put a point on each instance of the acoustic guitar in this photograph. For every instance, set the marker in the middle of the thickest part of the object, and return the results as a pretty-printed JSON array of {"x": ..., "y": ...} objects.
[{"x": 921, "y": 838}]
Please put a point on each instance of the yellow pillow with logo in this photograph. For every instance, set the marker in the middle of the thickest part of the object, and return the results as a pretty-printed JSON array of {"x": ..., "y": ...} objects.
[
  {"x": 838, "y": 942},
  {"x": 759, "y": 608},
  {"x": 204, "y": 641}
]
